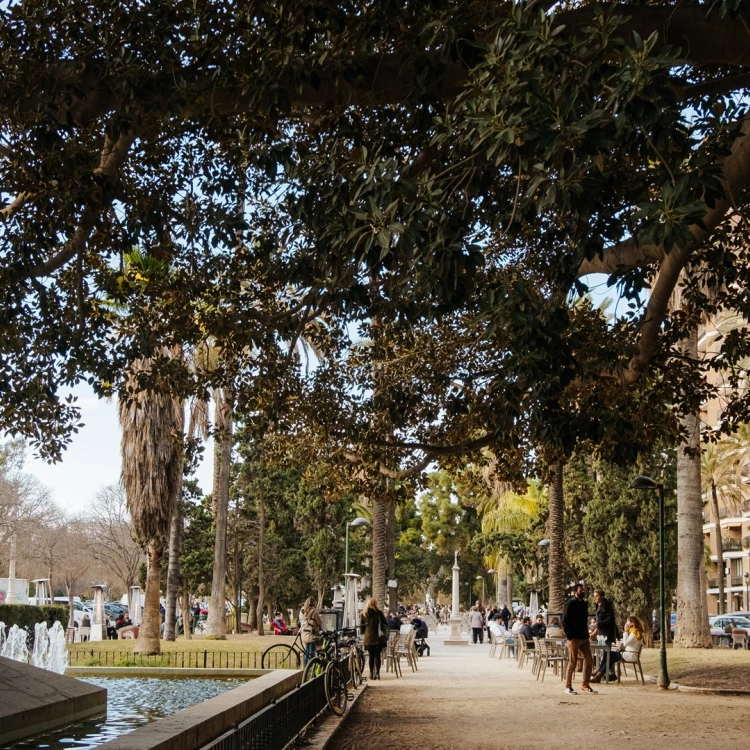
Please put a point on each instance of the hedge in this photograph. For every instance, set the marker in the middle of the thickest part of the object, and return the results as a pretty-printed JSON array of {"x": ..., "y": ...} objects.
[{"x": 28, "y": 615}]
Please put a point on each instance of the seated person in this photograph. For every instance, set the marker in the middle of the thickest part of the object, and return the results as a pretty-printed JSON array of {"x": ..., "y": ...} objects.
[
  {"x": 555, "y": 629},
  {"x": 527, "y": 633},
  {"x": 516, "y": 623},
  {"x": 120, "y": 621},
  {"x": 630, "y": 649},
  {"x": 86, "y": 622},
  {"x": 539, "y": 628},
  {"x": 394, "y": 623},
  {"x": 111, "y": 631},
  {"x": 498, "y": 629},
  {"x": 278, "y": 625}
]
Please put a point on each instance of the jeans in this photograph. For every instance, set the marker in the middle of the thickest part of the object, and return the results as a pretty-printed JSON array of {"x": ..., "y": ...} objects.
[
  {"x": 309, "y": 651},
  {"x": 477, "y": 633},
  {"x": 576, "y": 647}
]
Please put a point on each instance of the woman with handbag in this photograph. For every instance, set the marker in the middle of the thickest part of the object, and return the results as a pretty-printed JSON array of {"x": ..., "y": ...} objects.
[
  {"x": 310, "y": 624},
  {"x": 374, "y": 626}
]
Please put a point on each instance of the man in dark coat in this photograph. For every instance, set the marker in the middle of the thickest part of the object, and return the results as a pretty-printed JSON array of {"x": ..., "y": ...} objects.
[
  {"x": 505, "y": 614},
  {"x": 606, "y": 626},
  {"x": 575, "y": 624}
]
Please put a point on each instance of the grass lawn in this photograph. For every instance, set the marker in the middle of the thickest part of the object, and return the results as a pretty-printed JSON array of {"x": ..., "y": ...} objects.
[
  {"x": 236, "y": 650},
  {"x": 711, "y": 668}
]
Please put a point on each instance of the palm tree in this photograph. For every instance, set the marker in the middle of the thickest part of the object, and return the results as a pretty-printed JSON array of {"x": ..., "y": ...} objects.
[
  {"x": 152, "y": 466},
  {"x": 556, "y": 525},
  {"x": 505, "y": 511},
  {"x": 719, "y": 477},
  {"x": 223, "y": 429},
  {"x": 692, "y": 629}
]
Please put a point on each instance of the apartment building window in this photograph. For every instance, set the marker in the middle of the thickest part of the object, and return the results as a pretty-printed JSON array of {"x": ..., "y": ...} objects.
[{"x": 737, "y": 567}]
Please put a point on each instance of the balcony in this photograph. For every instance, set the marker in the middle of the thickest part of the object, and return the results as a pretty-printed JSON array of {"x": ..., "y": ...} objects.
[
  {"x": 736, "y": 581},
  {"x": 731, "y": 545},
  {"x": 713, "y": 583}
]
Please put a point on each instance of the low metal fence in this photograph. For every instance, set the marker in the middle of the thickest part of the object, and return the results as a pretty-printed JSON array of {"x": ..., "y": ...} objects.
[
  {"x": 187, "y": 659},
  {"x": 275, "y": 726}
]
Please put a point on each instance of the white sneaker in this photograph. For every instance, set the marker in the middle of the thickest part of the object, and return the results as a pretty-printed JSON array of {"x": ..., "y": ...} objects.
[{"x": 570, "y": 691}]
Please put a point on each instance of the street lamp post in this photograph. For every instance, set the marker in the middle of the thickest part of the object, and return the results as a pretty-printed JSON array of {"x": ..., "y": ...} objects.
[
  {"x": 747, "y": 589},
  {"x": 359, "y": 521},
  {"x": 646, "y": 483},
  {"x": 484, "y": 595}
]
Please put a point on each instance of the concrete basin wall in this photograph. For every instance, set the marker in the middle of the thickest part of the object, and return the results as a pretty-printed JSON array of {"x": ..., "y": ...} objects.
[
  {"x": 198, "y": 725},
  {"x": 34, "y": 700}
]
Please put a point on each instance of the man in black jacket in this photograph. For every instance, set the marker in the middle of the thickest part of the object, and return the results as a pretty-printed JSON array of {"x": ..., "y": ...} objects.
[{"x": 575, "y": 624}]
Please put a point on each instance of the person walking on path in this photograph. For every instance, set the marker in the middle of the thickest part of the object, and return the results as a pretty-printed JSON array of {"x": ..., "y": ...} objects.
[
  {"x": 505, "y": 614},
  {"x": 375, "y": 629},
  {"x": 311, "y": 626},
  {"x": 476, "y": 623},
  {"x": 574, "y": 622}
]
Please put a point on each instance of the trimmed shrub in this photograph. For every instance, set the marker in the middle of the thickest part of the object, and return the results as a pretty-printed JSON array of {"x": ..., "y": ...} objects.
[{"x": 28, "y": 615}]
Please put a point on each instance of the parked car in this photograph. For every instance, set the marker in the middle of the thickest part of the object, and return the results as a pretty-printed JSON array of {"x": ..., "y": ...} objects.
[{"x": 720, "y": 623}]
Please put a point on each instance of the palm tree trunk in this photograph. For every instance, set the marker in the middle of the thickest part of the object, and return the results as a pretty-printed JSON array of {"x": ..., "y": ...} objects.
[
  {"x": 719, "y": 551},
  {"x": 379, "y": 557},
  {"x": 149, "y": 634},
  {"x": 173, "y": 571},
  {"x": 390, "y": 544},
  {"x": 556, "y": 550},
  {"x": 216, "y": 624},
  {"x": 261, "y": 575},
  {"x": 502, "y": 585},
  {"x": 692, "y": 629},
  {"x": 185, "y": 607}
]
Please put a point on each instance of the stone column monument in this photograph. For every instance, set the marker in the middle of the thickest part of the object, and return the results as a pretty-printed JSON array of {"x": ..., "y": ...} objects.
[{"x": 455, "y": 639}]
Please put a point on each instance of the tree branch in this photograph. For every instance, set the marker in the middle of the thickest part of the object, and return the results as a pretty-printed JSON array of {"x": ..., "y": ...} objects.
[
  {"x": 725, "y": 85},
  {"x": 626, "y": 254},
  {"x": 113, "y": 156}
]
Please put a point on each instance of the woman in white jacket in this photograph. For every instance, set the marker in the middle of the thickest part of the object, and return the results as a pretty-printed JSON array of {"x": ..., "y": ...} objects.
[{"x": 630, "y": 650}]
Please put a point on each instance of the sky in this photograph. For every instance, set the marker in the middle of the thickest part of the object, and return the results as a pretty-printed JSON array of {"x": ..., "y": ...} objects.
[{"x": 92, "y": 460}]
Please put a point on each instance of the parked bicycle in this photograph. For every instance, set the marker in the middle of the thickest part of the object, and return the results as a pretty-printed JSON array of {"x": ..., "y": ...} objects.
[
  {"x": 340, "y": 659},
  {"x": 284, "y": 655}
]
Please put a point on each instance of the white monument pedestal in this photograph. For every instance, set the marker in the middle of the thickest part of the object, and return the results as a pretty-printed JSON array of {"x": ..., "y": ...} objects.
[{"x": 455, "y": 638}]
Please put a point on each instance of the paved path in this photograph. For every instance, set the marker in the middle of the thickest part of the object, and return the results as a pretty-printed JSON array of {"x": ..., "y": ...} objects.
[{"x": 461, "y": 698}]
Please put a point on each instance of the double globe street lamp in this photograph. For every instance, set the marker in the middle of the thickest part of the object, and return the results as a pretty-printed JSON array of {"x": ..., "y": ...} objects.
[
  {"x": 646, "y": 483},
  {"x": 359, "y": 521}
]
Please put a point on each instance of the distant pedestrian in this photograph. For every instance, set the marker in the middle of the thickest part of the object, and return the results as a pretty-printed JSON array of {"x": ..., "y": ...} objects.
[
  {"x": 505, "y": 614},
  {"x": 574, "y": 622},
  {"x": 375, "y": 630},
  {"x": 476, "y": 623}
]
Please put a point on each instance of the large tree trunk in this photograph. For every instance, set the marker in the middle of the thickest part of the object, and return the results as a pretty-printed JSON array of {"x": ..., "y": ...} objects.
[
  {"x": 379, "y": 557},
  {"x": 150, "y": 631},
  {"x": 185, "y": 606},
  {"x": 719, "y": 551},
  {"x": 261, "y": 574},
  {"x": 216, "y": 624},
  {"x": 173, "y": 571},
  {"x": 556, "y": 560},
  {"x": 692, "y": 629},
  {"x": 390, "y": 546},
  {"x": 503, "y": 589}
]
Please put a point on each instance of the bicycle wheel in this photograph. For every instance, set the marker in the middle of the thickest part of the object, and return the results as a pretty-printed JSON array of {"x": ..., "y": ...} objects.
[
  {"x": 355, "y": 670},
  {"x": 336, "y": 688},
  {"x": 280, "y": 656},
  {"x": 314, "y": 668}
]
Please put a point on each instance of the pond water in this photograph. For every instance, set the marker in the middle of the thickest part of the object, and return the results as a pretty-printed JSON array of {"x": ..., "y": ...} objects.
[{"x": 131, "y": 703}]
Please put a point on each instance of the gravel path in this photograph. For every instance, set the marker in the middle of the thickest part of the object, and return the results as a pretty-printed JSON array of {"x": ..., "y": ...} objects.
[{"x": 461, "y": 698}]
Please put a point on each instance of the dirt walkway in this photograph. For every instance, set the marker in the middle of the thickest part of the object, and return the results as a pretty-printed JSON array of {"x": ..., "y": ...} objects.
[{"x": 461, "y": 698}]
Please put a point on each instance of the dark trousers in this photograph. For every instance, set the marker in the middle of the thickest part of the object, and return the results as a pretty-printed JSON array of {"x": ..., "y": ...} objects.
[
  {"x": 374, "y": 652},
  {"x": 477, "y": 633}
]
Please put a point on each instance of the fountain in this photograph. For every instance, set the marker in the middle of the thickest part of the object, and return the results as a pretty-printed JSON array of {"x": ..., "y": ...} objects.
[
  {"x": 15, "y": 645},
  {"x": 49, "y": 650}
]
